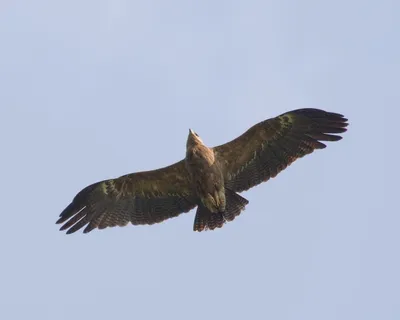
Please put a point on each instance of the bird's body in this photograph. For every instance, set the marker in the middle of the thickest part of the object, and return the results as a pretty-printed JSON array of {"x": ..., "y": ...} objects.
[{"x": 208, "y": 178}]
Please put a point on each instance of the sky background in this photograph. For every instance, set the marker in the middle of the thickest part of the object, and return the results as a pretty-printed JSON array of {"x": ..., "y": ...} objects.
[{"x": 91, "y": 90}]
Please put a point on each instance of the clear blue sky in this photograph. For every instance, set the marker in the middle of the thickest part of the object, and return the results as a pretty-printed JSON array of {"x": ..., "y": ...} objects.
[{"x": 96, "y": 89}]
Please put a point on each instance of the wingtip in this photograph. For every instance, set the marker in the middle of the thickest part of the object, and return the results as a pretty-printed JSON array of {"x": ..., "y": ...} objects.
[
  {"x": 71, "y": 231},
  {"x": 335, "y": 114},
  {"x": 61, "y": 219}
]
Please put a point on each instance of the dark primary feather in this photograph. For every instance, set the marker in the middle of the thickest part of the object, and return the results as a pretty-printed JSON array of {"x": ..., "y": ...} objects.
[
  {"x": 270, "y": 146},
  {"x": 140, "y": 198}
]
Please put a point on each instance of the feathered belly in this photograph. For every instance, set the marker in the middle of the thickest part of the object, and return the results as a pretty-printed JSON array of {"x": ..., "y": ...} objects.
[{"x": 209, "y": 187}]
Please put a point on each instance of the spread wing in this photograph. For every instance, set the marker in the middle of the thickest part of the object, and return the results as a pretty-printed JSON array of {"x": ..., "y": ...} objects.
[
  {"x": 270, "y": 146},
  {"x": 140, "y": 198}
]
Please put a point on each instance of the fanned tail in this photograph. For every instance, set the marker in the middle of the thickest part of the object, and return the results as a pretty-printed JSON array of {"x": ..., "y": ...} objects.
[{"x": 206, "y": 220}]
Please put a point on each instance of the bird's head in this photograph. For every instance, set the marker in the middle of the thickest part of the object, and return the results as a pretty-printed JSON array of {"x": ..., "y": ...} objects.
[{"x": 193, "y": 139}]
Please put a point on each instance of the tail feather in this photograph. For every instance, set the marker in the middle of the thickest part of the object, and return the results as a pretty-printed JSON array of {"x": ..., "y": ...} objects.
[{"x": 206, "y": 220}]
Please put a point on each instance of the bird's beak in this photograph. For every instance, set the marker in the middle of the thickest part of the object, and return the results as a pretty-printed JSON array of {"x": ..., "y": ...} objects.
[{"x": 191, "y": 131}]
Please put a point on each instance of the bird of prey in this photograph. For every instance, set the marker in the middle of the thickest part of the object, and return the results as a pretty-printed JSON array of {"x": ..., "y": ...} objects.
[{"x": 207, "y": 178}]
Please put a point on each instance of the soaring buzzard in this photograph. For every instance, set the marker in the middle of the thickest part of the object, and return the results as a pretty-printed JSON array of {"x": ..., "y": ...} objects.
[{"x": 208, "y": 178}]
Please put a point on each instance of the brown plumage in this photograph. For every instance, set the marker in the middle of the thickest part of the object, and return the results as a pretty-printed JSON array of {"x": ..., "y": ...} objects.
[{"x": 208, "y": 178}]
